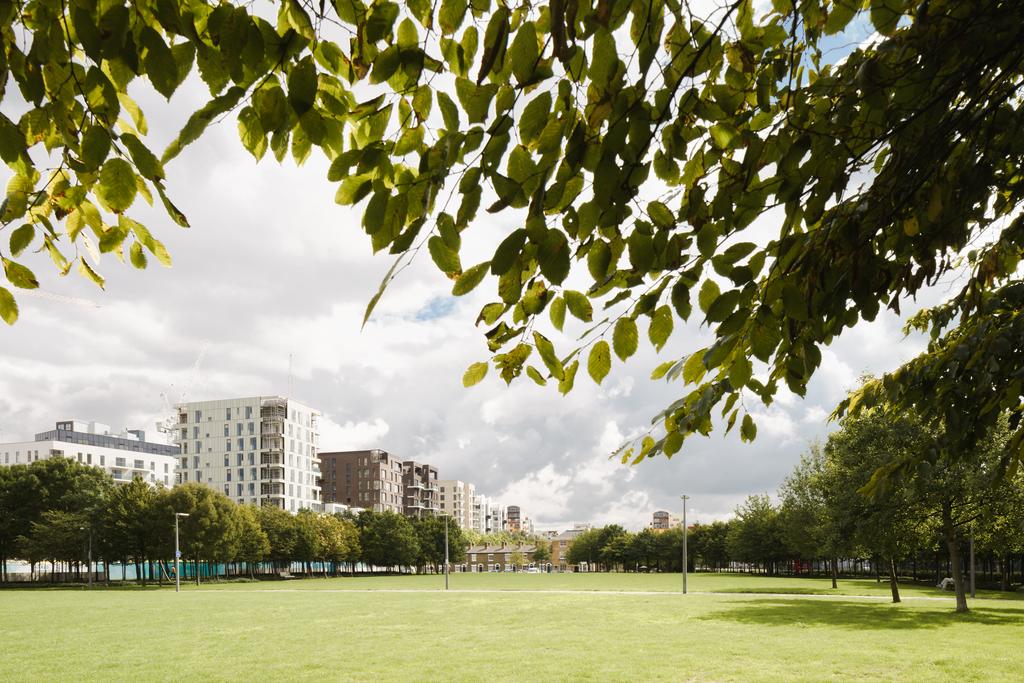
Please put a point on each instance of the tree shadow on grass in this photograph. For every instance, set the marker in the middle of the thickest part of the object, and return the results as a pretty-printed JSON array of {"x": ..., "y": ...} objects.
[{"x": 857, "y": 615}]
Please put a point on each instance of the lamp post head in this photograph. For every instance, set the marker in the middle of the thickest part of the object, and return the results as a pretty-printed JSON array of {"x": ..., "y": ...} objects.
[{"x": 181, "y": 514}]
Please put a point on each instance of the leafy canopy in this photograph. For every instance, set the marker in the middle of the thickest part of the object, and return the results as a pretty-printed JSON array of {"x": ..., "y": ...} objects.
[{"x": 636, "y": 143}]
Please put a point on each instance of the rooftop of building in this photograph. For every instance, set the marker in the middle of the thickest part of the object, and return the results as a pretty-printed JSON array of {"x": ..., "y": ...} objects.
[{"x": 99, "y": 434}]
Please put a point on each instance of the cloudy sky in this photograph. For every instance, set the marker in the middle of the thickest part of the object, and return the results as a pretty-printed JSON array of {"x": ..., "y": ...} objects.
[{"x": 274, "y": 275}]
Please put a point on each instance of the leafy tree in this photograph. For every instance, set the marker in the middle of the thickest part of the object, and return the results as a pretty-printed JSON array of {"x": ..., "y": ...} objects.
[
  {"x": 709, "y": 542},
  {"x": 279, "y": 526},
  {"x": 814, "y": 523},
  {"x": 128, "y": 527},
  {"x": 388, "y": 539},
  {"x": 430, "y": 538},
  {"x": 253, "y": 542},
  {"x": 756, "y": 536},
  {"x": 340, "y": 539},
  {"x": 58, "y": 537},
  {"x": 888, "y": 524},
  {"x": 1001, "y": 527},
  {"x": 881, "y": 167},
  {"x": 542, "y": 550},
  {"x": 585, "y": 548}
]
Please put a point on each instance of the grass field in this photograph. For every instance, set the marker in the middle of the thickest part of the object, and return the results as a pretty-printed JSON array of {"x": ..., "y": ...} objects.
[{"x": 508, "y": 627}]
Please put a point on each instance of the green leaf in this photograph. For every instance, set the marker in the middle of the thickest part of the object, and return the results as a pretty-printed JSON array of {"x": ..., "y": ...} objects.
[
  {"x": 451, "y": 15},
  {"x": 524, "y": 52},
  {"x": 535, "y": 117},
  {"x": 681, "y": 300},
  {"x": 147, "y": 163},
  {"x": 748, "y": 430},
  {"x": 599, "y": 260},
  {"x": 663, "y": 369},
  {"x": 553, "y": 256},
  {"x": 557, "y": 313},
  {"x": 694, "y": 369},
  {"x": 8, "y": 307},
  {"x": 159, "y": 61},
  {"x": 117, "y": 186},
  {"x": 85, "y": 269},
  {"x": 547, "y": 354},
  {"x": 534, "y": 374},
  {"x": 661, "y": 327},
  {"x": 470, "y": 278},
  {"x": 198, "y": 122},
  {"x": 446, "y": 258},
  {"x": 885, "y": 15},
  {"x": 599, "y": 362},
  {"x": 625, "y": 338},
  {"x": 474, "y": 374},
  {"x": 723, "y": 134},
  {"x": 21, "y": 238},
  {"x": 254, "y": 138},
  {"x": 579, "y": 305},
  {"x": 661, "y": 215},
  {"x": 475, "y": 99},
  {"x": 739, "y": 372},
  {"x": 449, "y": 112},
  {"x": 137, "y": 256},
  {"x": 508, "y": 251},
  {"x": 568, "y": 378},
  {"x": 495, "y": 43},
  {"x": 19, "y": 276},
  {"x": 709, "y": 291},
  {"x": 840, "y": 14},
  {"x": 302, "y": 84},
  {"x": 95, "y": 146}
]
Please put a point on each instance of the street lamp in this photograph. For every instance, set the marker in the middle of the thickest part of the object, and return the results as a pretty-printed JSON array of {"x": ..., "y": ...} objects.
[
  {"x": 177, "y": 553},
  {"x": 446, "y": 552},
  {"x": 684, "y": 498}
]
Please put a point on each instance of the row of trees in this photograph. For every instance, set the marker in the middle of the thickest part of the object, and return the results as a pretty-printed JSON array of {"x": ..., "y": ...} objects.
[{"x": 66, "y": 514}]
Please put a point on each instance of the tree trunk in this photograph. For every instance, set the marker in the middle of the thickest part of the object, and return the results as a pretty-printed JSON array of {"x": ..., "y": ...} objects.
[
  {"x": 894, "y": 584},
  {"x": 1004, "y": 573},
  {"x": 835, "y": 572},
  {"x": 954, "y": 557}
]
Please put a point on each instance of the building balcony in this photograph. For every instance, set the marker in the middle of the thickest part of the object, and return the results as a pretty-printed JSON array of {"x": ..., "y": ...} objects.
[
  {"x": 272, "y": 489},
  {"x": 272, "y": 473},
  {"x": 272, "y": 458},
  {"x": 414, "y": 485}
]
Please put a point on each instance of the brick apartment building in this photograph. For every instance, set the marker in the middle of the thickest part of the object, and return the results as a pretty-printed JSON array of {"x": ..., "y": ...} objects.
[
  {"x": 421, "y": 492},
  {"x": 366, "y": 479}
]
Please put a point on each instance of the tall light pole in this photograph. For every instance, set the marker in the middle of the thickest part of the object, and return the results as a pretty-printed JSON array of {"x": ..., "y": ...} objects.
[
  {"x": 446, "y": 552},
  {"x": 685, "y": 498},
  {"x": 177, "y": 553}
]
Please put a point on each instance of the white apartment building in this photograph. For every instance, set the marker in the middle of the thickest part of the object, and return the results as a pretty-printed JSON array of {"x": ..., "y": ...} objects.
[
  {"x": 260, "y": 450},
  {"x": 125, "y": 456},
  {"x": 456, "y": 499}
]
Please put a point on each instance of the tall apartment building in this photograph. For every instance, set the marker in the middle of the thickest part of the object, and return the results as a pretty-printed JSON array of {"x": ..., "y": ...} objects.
[
  {"x": 662, "y": 520},
  {"x": 514, "y": 518},
  {"x": 260, "y": 450},
  {"x": 496, "y": 520},
  {"x": 478, "y": 515},
  {"x": 456, "y": 501},
  {"x": 421, "y": 491},
  {"x": 125, "y": 456},
  {"x": 366, "y": 479}
]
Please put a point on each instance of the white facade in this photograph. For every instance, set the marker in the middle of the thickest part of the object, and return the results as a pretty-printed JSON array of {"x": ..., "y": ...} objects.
[
  {"x": 456, "y": 499},
  {"x": 260, "y": 450},
  {"x": 125, "y": 456}
]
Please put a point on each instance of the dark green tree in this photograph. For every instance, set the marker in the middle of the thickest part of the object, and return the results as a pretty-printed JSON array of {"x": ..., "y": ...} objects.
[
  {"x": 387, "y": 539},
  {"x": 756, "y": 535}
]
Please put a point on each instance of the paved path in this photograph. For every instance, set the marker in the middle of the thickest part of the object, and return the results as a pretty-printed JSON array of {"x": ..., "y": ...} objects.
[{"x": 792, "y": 596}]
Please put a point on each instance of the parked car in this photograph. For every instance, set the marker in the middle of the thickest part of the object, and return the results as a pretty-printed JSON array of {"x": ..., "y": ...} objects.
[{"x": 533, "y": 570}]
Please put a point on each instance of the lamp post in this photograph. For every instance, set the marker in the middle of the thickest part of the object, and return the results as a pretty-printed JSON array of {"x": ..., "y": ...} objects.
[
  {"x": 177, "y": 553},
  {"x": 446, "y": 552},
  {"x": 685, "y": 498}
]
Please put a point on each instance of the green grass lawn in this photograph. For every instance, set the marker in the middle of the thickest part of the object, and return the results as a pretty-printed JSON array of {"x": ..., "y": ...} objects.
[{"x": 288, "y": 630}]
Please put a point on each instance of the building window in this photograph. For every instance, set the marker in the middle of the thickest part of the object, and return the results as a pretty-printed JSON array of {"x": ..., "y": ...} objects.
[
  {"x": 252, "y": 473},
  {"x": 103, "y": 460},
  {"x": 227, "y": 490},
  {"x": 252, "y": 489},
  {"x": 252, "y": 442},
  {"x": 252, "y": 458},
  {"x": 199, "y": 446},
  {"x": 229, "y": 475},
  {"x": 227, "y": 431},
  {"x": 241, "y": 474},
  {"x": 195, "y": 432},
  {"x": 238, "y": 429},
  {"x": 199, "y": 476},
  {"x": 195, "y": 462},
  {"x": 240, "y": 459},
  {"x": 252, "y": 428},
  {"x": 228, "y": 411},
  {"x": 239, "y": 489},
  {"x": 227, "y": 461}
]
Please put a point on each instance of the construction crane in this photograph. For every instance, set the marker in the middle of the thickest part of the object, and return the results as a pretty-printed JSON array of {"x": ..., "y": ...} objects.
[{"x": 167, "y": 425}]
